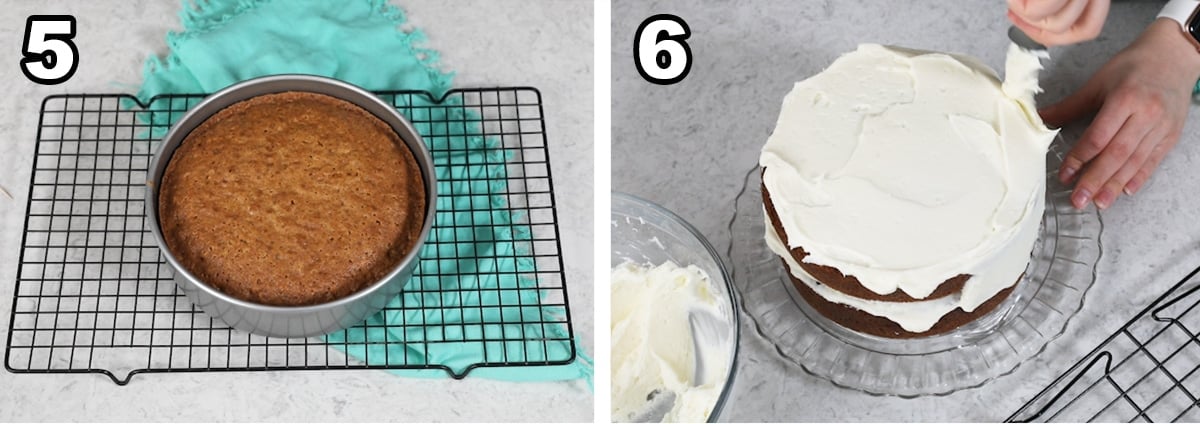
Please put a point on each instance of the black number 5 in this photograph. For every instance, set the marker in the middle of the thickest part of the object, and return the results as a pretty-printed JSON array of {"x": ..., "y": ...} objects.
[{"x": 50, "y": 56}]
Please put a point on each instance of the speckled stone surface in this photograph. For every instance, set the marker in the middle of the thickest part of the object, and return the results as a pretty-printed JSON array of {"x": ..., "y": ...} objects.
[
  {"x": 689, "y": 145},
  {"x": 546, "y": 44}
]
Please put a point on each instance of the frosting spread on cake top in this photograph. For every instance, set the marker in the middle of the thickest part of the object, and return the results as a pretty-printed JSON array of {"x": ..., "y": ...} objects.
[{"x": 905, "y": 168}]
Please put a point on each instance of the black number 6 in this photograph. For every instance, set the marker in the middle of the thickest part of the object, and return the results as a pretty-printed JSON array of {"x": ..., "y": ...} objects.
[{"x": 659, "y": 51}]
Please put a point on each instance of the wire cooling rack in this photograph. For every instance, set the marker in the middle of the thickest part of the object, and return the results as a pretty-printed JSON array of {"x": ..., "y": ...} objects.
[
  {"x": 1145, "y": 372},
  {"x": 94, "y": 295}
]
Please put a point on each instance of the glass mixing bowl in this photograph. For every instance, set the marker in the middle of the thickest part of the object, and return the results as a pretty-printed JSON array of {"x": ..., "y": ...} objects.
[{"x": 648, "y": 234}]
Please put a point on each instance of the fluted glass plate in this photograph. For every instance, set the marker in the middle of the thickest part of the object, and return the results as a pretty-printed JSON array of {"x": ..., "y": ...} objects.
[{"x": 1061, "y": 270}]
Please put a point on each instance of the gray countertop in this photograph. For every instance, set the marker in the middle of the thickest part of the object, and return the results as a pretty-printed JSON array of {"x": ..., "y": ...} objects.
[
  {"x": 546, "y": 44},
  {"x": 688, "y": 146}
]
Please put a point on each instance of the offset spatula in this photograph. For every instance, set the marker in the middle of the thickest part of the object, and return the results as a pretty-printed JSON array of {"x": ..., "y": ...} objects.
[{"x": 1019, "y": 38}]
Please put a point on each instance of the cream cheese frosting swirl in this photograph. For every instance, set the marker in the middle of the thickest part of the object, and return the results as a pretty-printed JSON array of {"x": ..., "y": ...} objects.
[{"x": 906, "y": 168}]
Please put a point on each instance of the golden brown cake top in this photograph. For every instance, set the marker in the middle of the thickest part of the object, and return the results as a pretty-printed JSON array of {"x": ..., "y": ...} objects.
[{"x": 292, "y": 198}]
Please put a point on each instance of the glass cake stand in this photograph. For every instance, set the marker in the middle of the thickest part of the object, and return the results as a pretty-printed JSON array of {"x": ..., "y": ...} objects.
[{"x": 1052, "y": 290}]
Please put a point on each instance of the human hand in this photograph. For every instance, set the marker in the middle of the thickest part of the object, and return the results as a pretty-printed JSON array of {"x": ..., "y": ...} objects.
[
  {"x": 1142, "y": 94},
  {"x": 1057, "y": 22}
]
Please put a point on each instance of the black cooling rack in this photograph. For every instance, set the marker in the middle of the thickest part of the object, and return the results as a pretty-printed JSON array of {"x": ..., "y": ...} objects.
[
  {"x": 93, "y": 294},
  {"x": 1145, "y": 372}
]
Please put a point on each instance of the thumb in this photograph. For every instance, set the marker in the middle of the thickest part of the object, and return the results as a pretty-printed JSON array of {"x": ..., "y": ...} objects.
[
  {"x": 1082, "y": 102},
  {"x": 1017, "y": 9}
]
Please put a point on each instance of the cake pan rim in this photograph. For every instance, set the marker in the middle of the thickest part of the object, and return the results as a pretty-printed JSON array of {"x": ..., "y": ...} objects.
[{"x": 245, "y": 90}]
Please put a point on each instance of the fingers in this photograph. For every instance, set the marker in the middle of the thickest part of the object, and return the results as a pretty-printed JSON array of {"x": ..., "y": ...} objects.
[
  {"x": 1115, "y": 153},
  {"x": 1143, "y": 174},
  {"x": 1091, "y": 22},
  {"x": 1073, "y": 21},
  {"x": 1035, "y": 10},
  {"x": 1112, "y": 117},
  {"x": 1033, "y": 31},
  {"x": 1062, "y": 20},
  {"x": 1117, "y": 184}
]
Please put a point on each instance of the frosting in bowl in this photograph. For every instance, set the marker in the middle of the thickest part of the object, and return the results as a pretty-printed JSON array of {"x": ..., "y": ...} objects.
[{"x": 656, "y": 346}]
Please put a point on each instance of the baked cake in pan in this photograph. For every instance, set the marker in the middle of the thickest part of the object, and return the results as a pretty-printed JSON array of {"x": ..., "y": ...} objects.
[{"x": 291, "y": 199}]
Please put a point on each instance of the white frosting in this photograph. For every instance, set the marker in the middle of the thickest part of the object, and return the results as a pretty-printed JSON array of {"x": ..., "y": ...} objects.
[
  {"x": 915, "y": 317},
  {"x": 653, "y": 345},
  {"x": 1020, "y": 78},
  {"x": 906, "y": 168}
]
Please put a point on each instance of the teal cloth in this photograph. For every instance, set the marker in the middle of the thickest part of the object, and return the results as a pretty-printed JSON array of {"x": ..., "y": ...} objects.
[{"x": 360, "y": 42}]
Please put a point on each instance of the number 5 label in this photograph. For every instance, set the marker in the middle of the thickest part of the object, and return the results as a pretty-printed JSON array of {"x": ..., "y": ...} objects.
[
  {"x": 50, "y": 55},
  {"x": 659, "y": 50}
]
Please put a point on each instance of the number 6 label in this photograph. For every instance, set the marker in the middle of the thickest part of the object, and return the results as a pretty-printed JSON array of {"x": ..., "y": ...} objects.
[
  {"x": 659, "y": 50},
  {"x": 50, "y": 55}
]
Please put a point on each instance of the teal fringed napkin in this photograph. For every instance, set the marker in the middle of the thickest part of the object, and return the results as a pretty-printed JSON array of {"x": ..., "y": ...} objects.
[{"x": 358, "y": 41}]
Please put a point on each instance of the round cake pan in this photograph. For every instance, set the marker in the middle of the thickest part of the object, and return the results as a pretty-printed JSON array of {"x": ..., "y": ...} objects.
[{"x": 298, "y": 321}]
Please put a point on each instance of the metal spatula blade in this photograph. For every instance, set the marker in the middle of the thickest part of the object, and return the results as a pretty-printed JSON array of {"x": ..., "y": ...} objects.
[
  {"x": 1022, "y": 40},
  {"x": 658, "y": 405}
]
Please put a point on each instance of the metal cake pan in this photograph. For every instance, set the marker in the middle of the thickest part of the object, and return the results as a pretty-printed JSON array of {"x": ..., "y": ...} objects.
[{"x": 297, "y": 321}]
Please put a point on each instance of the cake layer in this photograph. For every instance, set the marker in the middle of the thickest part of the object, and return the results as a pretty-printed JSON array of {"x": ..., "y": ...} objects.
[
  {"x": 906, "y": 169},
  {"x": 847, "y": 284},
  {"x": 291, "y": 199},
  {"x": 914, "y": 317},
  {"x": 863, "y": 322}
]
